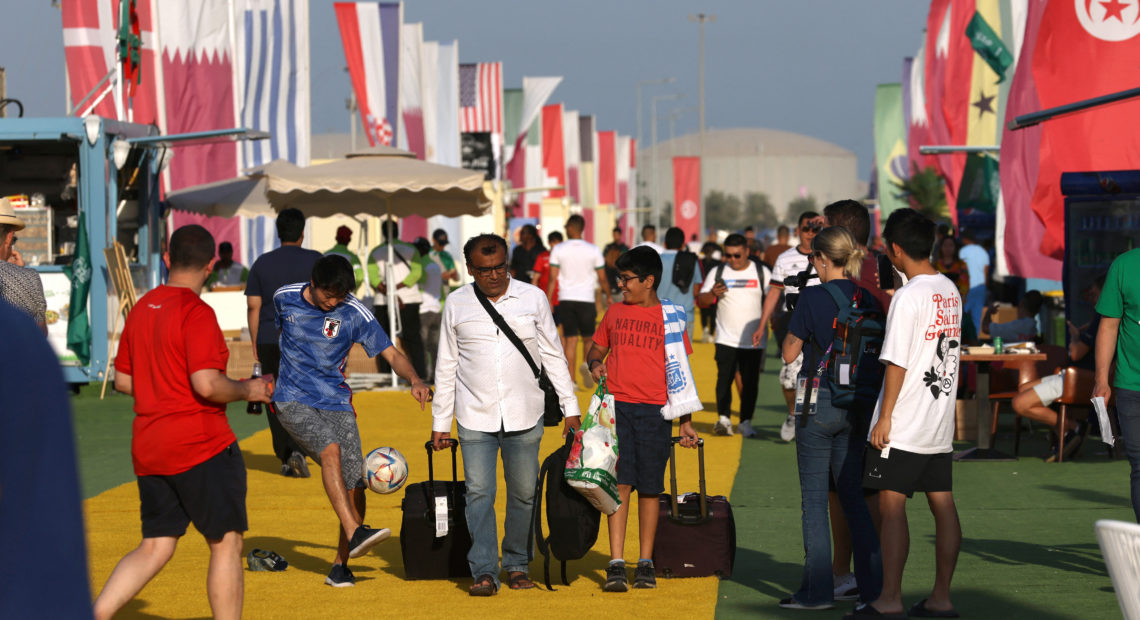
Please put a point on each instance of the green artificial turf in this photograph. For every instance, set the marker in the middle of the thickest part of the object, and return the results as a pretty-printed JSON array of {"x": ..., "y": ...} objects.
[
  {"x": 1029, "y": 549},
  {"x": 103, "y": 436}
]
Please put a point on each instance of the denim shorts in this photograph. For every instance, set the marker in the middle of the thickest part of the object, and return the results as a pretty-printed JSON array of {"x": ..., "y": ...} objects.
[{"x": 644, "y": 442}]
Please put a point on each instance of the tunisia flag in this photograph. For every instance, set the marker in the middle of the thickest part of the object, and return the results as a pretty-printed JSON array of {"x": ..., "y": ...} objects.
[
  {"x": 1072, "y": 51},
  {"x": 687, "y": 194}
]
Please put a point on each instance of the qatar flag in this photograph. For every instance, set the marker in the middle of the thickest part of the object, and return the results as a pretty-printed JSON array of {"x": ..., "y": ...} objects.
[
  {"x": 553, "y": 155},
  {"x": 937, "y": 48},
  {"x": 1072, "y": 52},
  {"x": 607, "y": 167},
  {"x": 687, "y": 194},
  {"x": 198, "y": 86},
  {"x": 956, "y": 96}
]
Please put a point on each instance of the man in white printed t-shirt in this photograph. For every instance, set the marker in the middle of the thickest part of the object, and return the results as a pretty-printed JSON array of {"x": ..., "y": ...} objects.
[
  {"x": 791, "y": 262},
  {"x": 737, "y": 287},
  {"x": 578, "y": 269},
  {"x": 913, "y": 426}
]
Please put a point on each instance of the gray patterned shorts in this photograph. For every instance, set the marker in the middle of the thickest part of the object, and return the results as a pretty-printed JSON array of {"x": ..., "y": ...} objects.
[{"x": 316, "y": 429}]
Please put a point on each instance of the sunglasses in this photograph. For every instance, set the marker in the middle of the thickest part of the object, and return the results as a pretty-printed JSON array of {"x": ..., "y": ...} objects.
[
  {"x": 735, "y": 255},
  {"x": 812, "y": 227}
]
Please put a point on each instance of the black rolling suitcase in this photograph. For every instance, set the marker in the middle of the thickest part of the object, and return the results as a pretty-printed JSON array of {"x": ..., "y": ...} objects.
[
  {"x": 428, "y": 554},
  {"x": 696, "y": 533}
]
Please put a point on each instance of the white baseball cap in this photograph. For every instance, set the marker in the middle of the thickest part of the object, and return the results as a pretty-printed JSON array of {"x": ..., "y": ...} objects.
[{"x": 8, "y": 215}]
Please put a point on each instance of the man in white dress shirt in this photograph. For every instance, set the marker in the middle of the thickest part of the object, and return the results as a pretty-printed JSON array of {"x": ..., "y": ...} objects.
[{"x": 484, "y": 383}]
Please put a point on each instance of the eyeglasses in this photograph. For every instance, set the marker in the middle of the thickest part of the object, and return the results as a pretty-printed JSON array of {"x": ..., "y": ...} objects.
[
  {"x": 486, "y": 271},
  {"x": 625, "y": 279},
  {"x": 735, "y": 255}
]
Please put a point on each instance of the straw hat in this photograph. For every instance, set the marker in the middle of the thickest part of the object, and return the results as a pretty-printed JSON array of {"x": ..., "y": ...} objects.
[{"x": 8, "y": 215}]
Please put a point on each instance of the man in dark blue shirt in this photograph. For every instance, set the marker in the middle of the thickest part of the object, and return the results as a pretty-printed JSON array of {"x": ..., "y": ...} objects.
[
  {"x": 288, "y": 264},
  {"x": 44, "y": 573}
]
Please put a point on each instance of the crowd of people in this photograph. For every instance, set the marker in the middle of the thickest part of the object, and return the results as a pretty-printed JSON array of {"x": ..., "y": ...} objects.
[{"x": 873, "y": 421}]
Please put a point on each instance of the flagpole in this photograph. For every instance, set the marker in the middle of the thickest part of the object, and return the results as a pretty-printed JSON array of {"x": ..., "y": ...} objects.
[
  {"x": 653, "y": 136},
  {"x": 637, "y": 171},
  {"x": 701, "y": 18}
]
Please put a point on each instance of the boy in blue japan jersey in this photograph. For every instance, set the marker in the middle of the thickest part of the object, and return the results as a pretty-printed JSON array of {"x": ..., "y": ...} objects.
[{"x": 319, "y": 321}]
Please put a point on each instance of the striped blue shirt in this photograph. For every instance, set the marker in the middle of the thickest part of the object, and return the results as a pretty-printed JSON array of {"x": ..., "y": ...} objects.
[{"x": 315, "y": 345}]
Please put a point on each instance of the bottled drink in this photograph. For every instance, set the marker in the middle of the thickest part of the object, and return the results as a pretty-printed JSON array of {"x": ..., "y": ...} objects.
[
  {"x": 998, "y": 349},
  {"x": 254, "y": 408}
]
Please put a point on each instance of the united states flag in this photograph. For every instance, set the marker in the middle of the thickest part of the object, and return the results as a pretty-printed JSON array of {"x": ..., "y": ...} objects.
[{"x": 481, "y": 97}]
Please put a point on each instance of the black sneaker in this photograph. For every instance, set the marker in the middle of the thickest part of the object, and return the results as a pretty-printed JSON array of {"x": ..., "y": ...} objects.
[
  {"x": 298, "y": 466},
  {"x": 616, "y": 580},
  {"x": 365, "y": 538},
  {"x": 643, "y": 577},
  {"x": 1076, "y": 438},
  {"x": 340, "y": 577}
]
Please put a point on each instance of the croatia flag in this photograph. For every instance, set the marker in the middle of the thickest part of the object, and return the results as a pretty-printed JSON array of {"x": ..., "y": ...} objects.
[{"x": 372, "y": 68}]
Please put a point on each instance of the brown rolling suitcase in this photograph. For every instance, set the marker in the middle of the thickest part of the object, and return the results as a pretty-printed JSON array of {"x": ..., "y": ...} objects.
[{"x": 696, "y": 533}]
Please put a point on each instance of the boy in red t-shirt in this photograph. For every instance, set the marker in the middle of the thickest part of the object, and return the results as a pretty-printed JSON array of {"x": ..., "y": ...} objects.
[
  {"x": 632, "y": 334},
  {"x": 172, "y": 359}
]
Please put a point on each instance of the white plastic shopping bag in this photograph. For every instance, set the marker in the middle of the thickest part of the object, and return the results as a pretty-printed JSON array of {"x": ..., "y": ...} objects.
[{"x": 592, "y": 466}]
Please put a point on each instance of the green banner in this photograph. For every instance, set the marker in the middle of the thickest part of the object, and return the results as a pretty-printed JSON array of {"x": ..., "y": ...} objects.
[
  {"x": 79, "y": 271},
  {"x": 989, "y": 46},
  {"x": 980, "y": 184},
  {"x": 890, "y": 147}
]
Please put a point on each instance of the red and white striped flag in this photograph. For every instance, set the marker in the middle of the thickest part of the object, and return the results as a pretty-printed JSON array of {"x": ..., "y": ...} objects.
[
  {"x": 361, "y": 34},
  {"x": 481, "y": 97}
]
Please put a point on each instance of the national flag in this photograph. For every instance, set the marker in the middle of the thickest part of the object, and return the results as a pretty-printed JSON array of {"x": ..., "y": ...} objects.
[
  {"x": 936, "y": 49},
  {"x": 988, "y": 43},
  {"x": 447, "y": 108},
  {"x": 535, "y": 176},
  {"x": 411, "y": 89},
  {"x": 571, "y": 151},
  {"x": 79, "y": 272},
  {"x": 198, "y": 86},
  {"x": 890, "y": 146},
  {"x": 391, "y": 22},
  {"x": 429, "y": 85},
  {"x": 957, "y": 92},
  {"x": 1071, "y": 53},
  {"x": 553, "y": 156},
  {"x": 273, "y": 61},
  {"x": 587, "y": 152},
  {"x": 530, "y": 100},
  {"x": 621, "y": 162},
  {"x": 631, "y": 199},
  {"x": 917, "y": 112},
  {"x": 481, "y": 97},
  {"x": 607, "y": 168},
  {"x": 979, "y": 183},
  {"x": 687, "y": 194},
  {"x": 364, "y": 50},
  {"x": 1014, "y": 15}
]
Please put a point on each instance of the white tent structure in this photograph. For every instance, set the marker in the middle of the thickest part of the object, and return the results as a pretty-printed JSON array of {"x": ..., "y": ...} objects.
[{"x": 391, "y": 182}]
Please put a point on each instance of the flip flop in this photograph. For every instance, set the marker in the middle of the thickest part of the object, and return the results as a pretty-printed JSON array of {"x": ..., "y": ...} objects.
[
  {"x": 865, "y": 610},
  {"x": 262, "y": 560},
  {"x": 919, "y": 610},
  {"x": 519, "y": 581},
  {"x": 484, "y": 586}
]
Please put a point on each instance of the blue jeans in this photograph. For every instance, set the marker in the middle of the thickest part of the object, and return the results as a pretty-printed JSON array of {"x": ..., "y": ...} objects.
[
  {"x": 520, "y": 469},
  {"x": 974, "y": 304},
  {"x": 1128, "y": 416},
  {"x": 831, "y": 444}
]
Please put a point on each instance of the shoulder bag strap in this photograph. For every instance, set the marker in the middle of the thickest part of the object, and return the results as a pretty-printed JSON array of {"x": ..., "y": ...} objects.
[{"x": 507, "y": 331}]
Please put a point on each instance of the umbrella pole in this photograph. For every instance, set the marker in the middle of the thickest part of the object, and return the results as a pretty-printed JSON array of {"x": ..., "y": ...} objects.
[{"x": 390, "y": 293}]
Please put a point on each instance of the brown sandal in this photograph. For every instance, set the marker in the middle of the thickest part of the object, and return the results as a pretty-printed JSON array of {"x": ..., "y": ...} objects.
[
  {"x": 484, "y": 586},
  {"x": 519, "y": 581}
]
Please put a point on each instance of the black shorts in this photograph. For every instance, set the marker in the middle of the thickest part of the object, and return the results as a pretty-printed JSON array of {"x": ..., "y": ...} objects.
[
  {"x": 554, "y": 312},
  {"x": 579, "y": 318},
  {"x": 211, "y": 495},
  {"x": 906, "y": 472},
  {"x": 644, "y": 442}
]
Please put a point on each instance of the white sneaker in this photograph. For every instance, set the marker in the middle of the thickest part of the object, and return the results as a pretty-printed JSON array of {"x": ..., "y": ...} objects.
[
  {"x": 587, "y": 378},
  {"x": 723, "y": 426},
  {"x": 745, "y": 429},
  {"x": 846, "y": 589},
  {"x": 788, "y": 429}
]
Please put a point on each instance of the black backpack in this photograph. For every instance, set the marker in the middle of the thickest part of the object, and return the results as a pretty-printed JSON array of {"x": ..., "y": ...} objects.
[
  {"x": 853, "y": 362},
  {"x": 684, "y": 266},
  {"x": 572, "y": 520}
]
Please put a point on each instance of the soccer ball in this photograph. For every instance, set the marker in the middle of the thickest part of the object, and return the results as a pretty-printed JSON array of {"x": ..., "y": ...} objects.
[{"x": 385, "y": 470}]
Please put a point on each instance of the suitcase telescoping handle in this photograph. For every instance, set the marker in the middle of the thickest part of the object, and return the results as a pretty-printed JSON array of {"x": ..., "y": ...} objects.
[
  {"x": 431, "y": 470},
  {"x": 703, "y": 499}
]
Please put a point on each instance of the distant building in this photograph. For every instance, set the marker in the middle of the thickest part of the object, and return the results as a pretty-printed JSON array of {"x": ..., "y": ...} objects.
[{"x": 781, "y": 164}]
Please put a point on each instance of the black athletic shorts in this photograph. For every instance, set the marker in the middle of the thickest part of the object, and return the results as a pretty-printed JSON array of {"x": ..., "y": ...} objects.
[
  {"x": 211, "y": 495},
  {"x": 579, "y": 318},
  {"x": 557, "y": 319},
  {"x": 907, "y": 472}
]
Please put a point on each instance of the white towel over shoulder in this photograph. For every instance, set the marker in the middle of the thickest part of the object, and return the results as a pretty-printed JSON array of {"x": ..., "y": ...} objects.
[{"x": 683, "y": 397}]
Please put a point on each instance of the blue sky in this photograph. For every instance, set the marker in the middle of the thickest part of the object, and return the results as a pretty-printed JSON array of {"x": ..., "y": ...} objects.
[{"x": 807, "y": 66}]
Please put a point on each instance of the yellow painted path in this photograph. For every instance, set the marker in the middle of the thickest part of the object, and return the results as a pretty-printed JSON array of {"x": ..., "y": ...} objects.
[{"x": 293, "y": 518}]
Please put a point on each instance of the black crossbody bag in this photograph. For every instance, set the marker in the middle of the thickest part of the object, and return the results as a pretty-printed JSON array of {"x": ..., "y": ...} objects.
[{"x": 552, "y": 413}]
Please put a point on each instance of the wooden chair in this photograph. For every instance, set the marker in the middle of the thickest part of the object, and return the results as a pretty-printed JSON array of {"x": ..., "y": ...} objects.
[{"x": 1078, "y": 387}]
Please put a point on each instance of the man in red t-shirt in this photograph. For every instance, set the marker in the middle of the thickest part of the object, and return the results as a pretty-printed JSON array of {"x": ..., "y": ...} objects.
[
  {"x": 172, "y": 359},
  {"x": 629, "y": 350},
  {"x": 542, "y": 273}
]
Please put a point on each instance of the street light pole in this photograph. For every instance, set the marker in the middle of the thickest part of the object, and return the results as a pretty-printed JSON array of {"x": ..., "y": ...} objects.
[
  {"x": 653, "y": 136},
  {"x": 637, "y": 171},
  {"x": 701, "y": 18}
]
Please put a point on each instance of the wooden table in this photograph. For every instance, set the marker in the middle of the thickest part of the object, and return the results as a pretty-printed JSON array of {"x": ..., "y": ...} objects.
[{"x": 984, "y": 451}]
